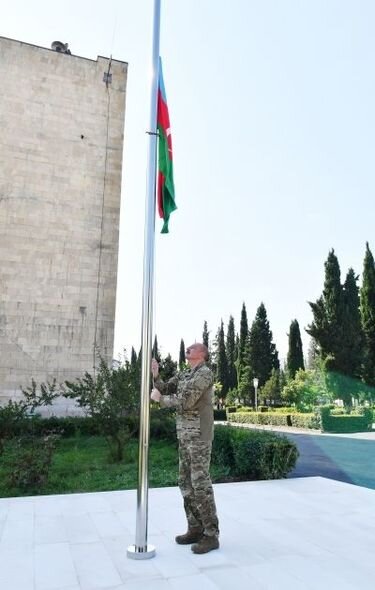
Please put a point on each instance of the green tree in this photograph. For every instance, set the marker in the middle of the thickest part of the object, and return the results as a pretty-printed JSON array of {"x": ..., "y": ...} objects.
[
  {"x": 328, "y": 311},
  {"x": 337, "y": 331},
  {"x": 110, "y": 397},
  {"x": 205, "y": 335},
  {"x": 231, "y": 354},
  {"x": 270, "y": 393},
  {"x": 312, "y": 354},
  {"x": 221, "y": 361},
  {"x": 367, "y": 307},
  {"x": 237, "y": 347},
  {"x": 351, "y": 352},
  {"x": 328, "y": 328},
  {"x": 155, "y": 350},
  {"x": 263, "y": 356},
  {"x": 295, "y": 352},
  {"x": 133, "y": 358},
  {"x": 306, "y": 389},
  {"x": 244, "y": 335},
  {"x": 242, "y": 355},
  {"x": 168, "y": 368},
  {"x": 182, "y": 357},
  {"x": 245, "y": 387}
]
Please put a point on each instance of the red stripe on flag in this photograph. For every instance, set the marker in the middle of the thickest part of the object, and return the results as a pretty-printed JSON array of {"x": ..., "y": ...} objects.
[{"x": 163, "y": 121}]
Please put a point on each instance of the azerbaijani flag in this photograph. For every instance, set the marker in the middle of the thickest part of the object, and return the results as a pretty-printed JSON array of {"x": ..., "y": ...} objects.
[{"x": 165, "y": 191}]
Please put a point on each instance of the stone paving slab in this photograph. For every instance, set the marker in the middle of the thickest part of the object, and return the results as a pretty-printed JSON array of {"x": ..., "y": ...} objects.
[{"x": 297, "y": 534}]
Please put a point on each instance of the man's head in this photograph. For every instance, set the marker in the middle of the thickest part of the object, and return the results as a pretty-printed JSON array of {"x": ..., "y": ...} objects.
[{"x": 196, "y": 353}]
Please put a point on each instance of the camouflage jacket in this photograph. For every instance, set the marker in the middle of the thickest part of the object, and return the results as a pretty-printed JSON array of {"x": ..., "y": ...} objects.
[{"x": 191, "y": 393}]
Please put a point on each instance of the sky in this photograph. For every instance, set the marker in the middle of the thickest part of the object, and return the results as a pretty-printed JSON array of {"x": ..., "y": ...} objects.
[{"x": 273, "y": 123}]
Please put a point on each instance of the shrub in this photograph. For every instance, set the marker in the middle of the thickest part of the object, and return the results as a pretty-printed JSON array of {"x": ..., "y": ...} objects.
[
  {"x": 259, "y": 418},
  {"x": 346, "y": 422},
  {"x": 222, "y": 449},
  {"x": 253, "y": 454},
  {"x": 31, "y": 462},
  {"x": 306, "y": 388},
  {"x": 162, "y": 424},
  {"x": 220, "y": 415},
  {"x": 276, "y": 419},
  {"x": 67, "y": 426},
  {"x": 14, "y": 413},
  {"x": 231, "y": 397},
  {"x": 109, "y": 397},
  {"x": 311, "y": 420}
]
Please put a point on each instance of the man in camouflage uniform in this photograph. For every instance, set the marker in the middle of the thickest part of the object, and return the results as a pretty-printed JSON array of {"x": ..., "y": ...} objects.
[{"x": 191, "y": 393}]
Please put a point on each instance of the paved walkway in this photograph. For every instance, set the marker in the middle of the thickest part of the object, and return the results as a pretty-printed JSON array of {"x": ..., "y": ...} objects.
[
  {"x": 294, "y": 534},
  {"x": 344, "y": 457}
]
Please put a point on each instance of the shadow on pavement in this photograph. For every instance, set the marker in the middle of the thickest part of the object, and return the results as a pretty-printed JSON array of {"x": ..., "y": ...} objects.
[{"x": 341, "y": 458}]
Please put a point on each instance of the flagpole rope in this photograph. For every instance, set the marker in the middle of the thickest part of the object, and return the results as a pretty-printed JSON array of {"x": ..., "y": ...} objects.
[
  {"x": 115, "y": 20},
  {"x": 101, "y": 228}
]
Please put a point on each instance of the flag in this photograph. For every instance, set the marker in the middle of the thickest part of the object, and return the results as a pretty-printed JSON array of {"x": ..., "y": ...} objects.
[{"x": 165, "y": 192}]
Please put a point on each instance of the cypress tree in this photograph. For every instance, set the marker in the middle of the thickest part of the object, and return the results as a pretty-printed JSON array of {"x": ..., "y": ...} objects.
[
  {"x": 231, "y": 354},
  {"x": 337, "y": 331},
  {"x": 351, "y": 352},
  {"x": 133, "y": 358},
  {"x": 312, "y": 354},
  {"x": 245, "y": 380},
  {"x": 139, "y": 360},
  {"x": 205, "y": 335},
  {"x": 237, "y": 347},
  {"x": 263, "y": 356},
  {"x": 328, "y": 312},
  {"x": 367, "y": 307},
  {"x": 295, "y": 352},
  {"x": 221, "y": 361},
  {"x": 244, "y": 334},
  {"x": 155, "y": 350},
  {"x": 243, "y": 342},
  {"x": 182, "y": 357}
]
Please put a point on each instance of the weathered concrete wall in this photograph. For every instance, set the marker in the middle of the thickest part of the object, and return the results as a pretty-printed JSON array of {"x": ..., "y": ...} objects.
[{"x": 61, "y": 146}]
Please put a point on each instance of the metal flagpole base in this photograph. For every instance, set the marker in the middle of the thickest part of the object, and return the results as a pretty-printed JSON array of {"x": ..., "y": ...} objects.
[{"x": 134, "y": 552}]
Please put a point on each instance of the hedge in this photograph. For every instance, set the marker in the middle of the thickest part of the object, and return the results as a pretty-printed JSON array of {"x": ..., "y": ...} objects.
[
  {"x": 162, "y": 425},
  {"x": 346, "y": 422},
  {"x": 220, "y": 415},
  {"x": 253, "y": 454},
  {"x": 310, "y": 420},
  {"x": 276, "y": 419}
]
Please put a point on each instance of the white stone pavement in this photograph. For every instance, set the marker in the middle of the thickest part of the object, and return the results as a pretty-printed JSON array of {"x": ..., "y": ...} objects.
[{"x": 297, "y": 534}]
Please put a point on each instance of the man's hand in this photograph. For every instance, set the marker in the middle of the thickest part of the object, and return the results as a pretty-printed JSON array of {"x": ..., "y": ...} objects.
[
  {"x": 155, "y": 395},
  {"x": 155, "y": 368}
]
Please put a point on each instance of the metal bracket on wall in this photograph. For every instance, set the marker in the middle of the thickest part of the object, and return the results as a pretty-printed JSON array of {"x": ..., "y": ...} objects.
[{"x": 107, "y": 78}]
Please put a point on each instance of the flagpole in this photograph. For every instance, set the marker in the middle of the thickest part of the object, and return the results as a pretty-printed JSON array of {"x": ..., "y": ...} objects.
[{"x": 141, "y": 549}]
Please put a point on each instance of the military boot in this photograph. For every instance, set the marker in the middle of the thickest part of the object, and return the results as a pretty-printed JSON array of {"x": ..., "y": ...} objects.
[
  {"x": 193, "y": 535},
  {"x": 206, "y": 544}
]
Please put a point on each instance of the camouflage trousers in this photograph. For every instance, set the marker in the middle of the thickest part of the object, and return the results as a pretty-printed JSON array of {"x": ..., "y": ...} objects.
[{"x": 196, "y": 487}]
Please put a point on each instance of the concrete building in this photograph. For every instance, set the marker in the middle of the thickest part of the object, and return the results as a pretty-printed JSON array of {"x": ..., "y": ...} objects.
[{"x": 61, "y": 142}]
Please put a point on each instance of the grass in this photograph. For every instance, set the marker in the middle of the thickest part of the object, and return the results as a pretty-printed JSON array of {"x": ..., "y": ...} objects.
[{"x": 82, "y": 464}]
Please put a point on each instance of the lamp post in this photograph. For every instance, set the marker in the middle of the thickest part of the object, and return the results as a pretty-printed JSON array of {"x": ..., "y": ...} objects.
[{"x": 256, "y": 383}]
